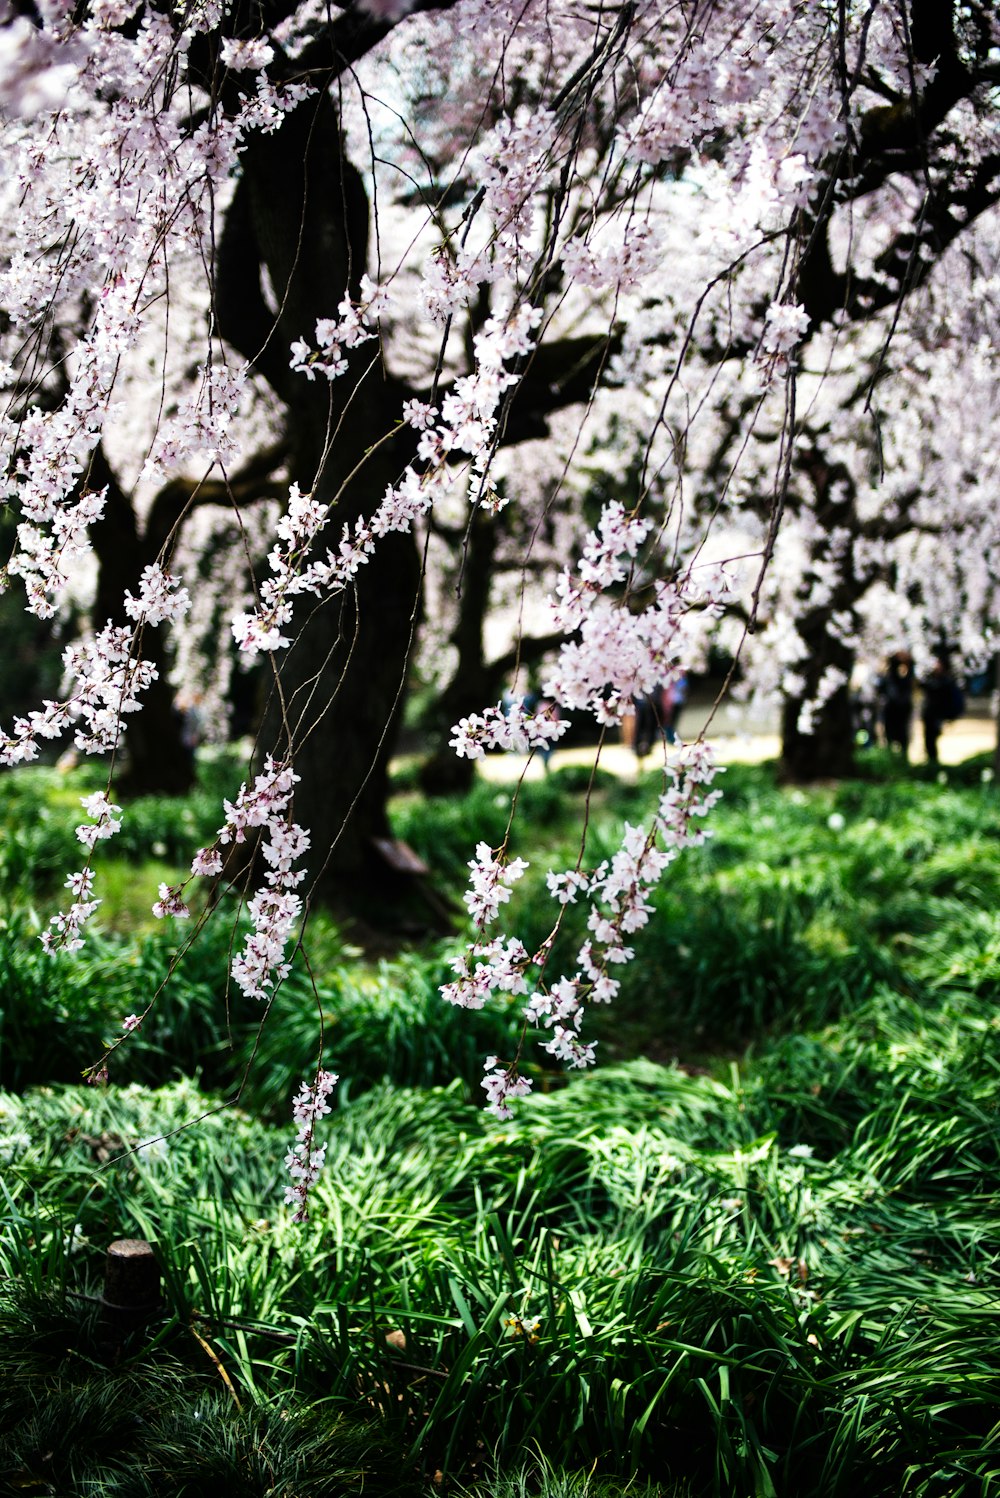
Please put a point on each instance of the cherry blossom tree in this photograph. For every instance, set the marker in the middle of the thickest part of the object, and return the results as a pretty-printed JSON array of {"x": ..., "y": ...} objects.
[
  {"x": 432, "y": 258},
  {"x": 887, "y": 542}
]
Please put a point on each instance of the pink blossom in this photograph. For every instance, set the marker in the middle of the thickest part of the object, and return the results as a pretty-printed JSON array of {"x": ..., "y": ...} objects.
[
  {"x": 303, "y": 1161},
  {"x": 786, "y": 325},
  {"x": 160, "y": 598},
  {"x": 502, "y": 1084},
  {"x": 171, "y": 903},
  {"x": 246, "y": 56},
  {"x": 64, "y": 928},
  {"x": 106, "y": 819}
]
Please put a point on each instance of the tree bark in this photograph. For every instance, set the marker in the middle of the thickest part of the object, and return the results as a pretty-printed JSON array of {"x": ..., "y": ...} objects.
[
  {"x": 823, "y": 749},
  {"x": 826, "y": 752},
  {"x": 301, "y": 213},
  {"x": 471, "y": 684},
  {"x": 155, "y": 759}
]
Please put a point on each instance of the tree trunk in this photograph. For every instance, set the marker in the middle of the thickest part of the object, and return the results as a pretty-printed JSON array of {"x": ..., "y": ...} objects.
[
  {"x": 342, "y": 686},
  {"x": 155, "y": 759},
  {"x": 826, "y": 752},
  {"x": 301, "y": 212},
  {"x": 472, "y": 683},
  {"x": 819, "y": 745}
]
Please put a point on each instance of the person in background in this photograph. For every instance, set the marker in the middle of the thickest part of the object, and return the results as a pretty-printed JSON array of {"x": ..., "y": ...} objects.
[
  {"x": 864, "y": 705},
  {"x": 647, "y": 721},
  {"x": 672, "y": 699},
  {"x": 188, "y": 708},
  {"x": 895, "y": 691},
  {"x": 943, "y": 702}
]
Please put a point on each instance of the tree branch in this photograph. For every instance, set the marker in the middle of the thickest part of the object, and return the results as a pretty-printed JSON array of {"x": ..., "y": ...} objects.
[
  {"x": 352, "y": 36},
  {"x": 181, "y": 496}
]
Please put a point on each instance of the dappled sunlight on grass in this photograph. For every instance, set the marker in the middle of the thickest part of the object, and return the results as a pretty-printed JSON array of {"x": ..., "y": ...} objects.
[{"x": 773, "y": 1268}]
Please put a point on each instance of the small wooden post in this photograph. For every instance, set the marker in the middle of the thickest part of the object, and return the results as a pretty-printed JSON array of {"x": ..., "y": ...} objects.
[{"x": 131, "y": 1292}]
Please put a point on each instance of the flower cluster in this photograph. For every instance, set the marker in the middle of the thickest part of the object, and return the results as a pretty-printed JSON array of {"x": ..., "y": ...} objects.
[
  {"x": 466, "y": 423},
  {"x": 333, "y": 336},
  {"x": 296, "y": 530},
  {"x": 679, "y": 114},
  {"x": 160, "y": 598},
  {"x": 491, "y": 883},
  {"x": 202, "y": 428},
  {"x": 513, "y": 729},
  {"x": 501, "y": 1084},
  {"x": 261, "y": 966},
  {"x": 618, "y": 267},
  {"x": 105, "y": 819},
  {"x": 785, "y": 326},
  {"x": 107, "y": 681},
  {"x": 65, "y": 926},
  {"x": 618, "y": 651},
  {"x": 260, "y": 806},
  {"x": 171, "y": 903},
  {"x": 485, "y": 967},
  {"x": 618, "y": 892},
  {"x": 274, "y": 909},
  {"x": 608, "y": 555},
  {"x": 304, "y": 1160},
  {"x": 469, "y": 411},
  {"x": 110, "y": 187},
  {"x": 38, "y": 64},
  {"x": 52, "y": 537},
  {"x": 64, "y": 933},
  {"x": 243, "y": 56},
  {"x": 516, "y": 163}
]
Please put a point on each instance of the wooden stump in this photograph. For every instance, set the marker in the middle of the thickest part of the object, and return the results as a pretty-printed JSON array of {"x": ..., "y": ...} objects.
[{"x": 131, "y": 1295}]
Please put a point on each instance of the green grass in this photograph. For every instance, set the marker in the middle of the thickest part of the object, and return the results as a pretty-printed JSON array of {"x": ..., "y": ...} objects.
[
  {"x": 647, "y": 1271},
  {"x": 797, "y": 909},
  {"x": 775, "y": 1273}
]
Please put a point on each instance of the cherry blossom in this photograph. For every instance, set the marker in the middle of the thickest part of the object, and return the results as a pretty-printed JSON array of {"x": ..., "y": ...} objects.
[
  {"x": 160, "y": 597},
  {"x": 695, "y": 310},
  {"x": 105, "y": 819},
  {"x": 618, "y": 892},
  {"x": 304, "y": 1160},
  {"x": 64, "y": 927}
]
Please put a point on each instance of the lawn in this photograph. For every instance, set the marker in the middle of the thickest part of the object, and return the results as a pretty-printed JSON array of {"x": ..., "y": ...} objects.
[{"x": 754, "y": 1251}]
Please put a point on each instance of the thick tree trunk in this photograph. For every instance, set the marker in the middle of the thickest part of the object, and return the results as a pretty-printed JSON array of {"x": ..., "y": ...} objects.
[
  {"x": 818, "y": 743},
  {"x": 471, "y": 686},
  {"x": 301, "y": 212},
  {"x": 817, "y": 736},
  {"x": 342, "y": 687},
  {"x": 826, "y": 752},
  {"x": 153, "y": 754}
]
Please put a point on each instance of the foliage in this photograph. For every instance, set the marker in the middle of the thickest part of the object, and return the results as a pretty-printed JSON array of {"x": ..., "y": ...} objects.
[
  {"x": 185, "y": 300},
  {"x": 38, "y": 809},
  {"x": 640, "y": 1254},
  {"x": 799, "y": 906},
  {"x": 781, "y": 1277},
  {"x": 153, "y": 1424},
  {"x": 797, "y": 909}
]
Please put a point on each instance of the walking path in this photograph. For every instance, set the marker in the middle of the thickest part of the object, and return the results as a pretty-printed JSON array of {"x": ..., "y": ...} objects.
[{"x": 750, "y": 745}]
